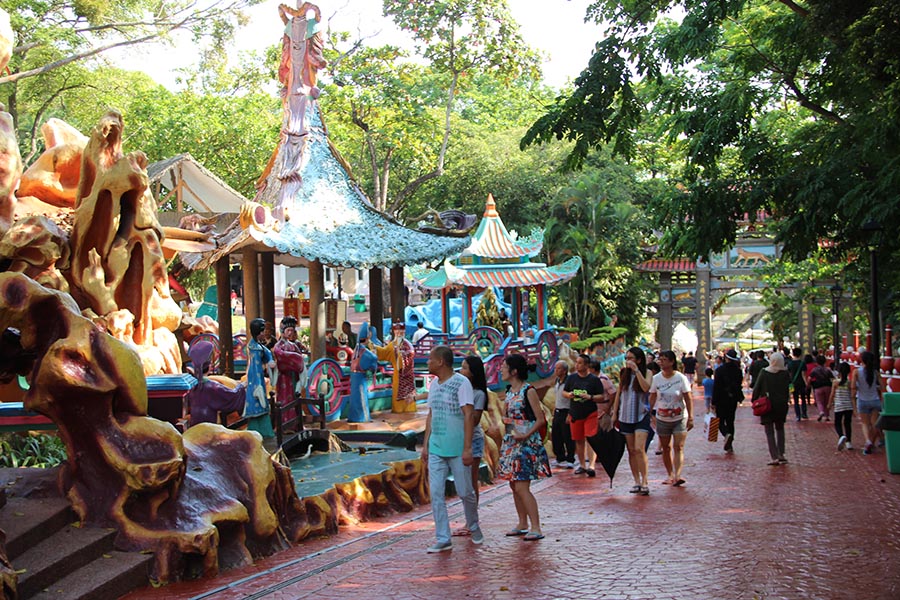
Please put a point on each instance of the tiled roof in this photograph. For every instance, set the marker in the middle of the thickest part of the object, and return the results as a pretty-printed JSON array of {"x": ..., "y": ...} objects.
[
  {"x": 492, "y": 240},
  {"x": 502, "y": 276},
  {"x": 659, "y": 265}
]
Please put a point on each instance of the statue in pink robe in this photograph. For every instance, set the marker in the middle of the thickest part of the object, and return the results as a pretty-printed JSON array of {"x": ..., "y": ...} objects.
[{"x": 291, "y": 364}]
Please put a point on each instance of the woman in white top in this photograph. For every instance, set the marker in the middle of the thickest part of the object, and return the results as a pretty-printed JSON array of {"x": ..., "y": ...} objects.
[
  {"x": 866, "y": 389},
  {"x": 843, "y": 406},
  {"x": 670, "y": 397}
]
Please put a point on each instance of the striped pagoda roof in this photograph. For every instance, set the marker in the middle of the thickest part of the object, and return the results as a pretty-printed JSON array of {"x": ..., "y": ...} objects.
[
  {"x": 502, "y": 276},
  {"x": 657, "y": 265},
  {"x": 492, "y": 240}
]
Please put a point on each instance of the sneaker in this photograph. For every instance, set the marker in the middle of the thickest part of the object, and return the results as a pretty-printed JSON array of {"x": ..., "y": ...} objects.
[
  {"x": 477, "y": 536},
  {"x": 590, "y": 472},
  {"x": 440, "y": 547},
  {"x": 570, "y": 465},
  {"x": 842, "y": 441},
  {"x": 868, "y": 448},
  {"x": 580, "y": 470},
  {"x": 849, "y": 446}
]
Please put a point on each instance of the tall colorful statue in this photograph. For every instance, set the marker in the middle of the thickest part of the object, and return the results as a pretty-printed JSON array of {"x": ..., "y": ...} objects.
[
  {"x": 363, "y": 360},
  {"x": 291, "y": 365},
  {"x": 256, "y": 406},
  {"x": 209, "y": 398},
  {"x": 401, "y": 354}
]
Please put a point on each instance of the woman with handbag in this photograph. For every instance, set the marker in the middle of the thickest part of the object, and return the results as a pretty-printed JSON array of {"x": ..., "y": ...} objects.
[{"x": 774, "y": 384}]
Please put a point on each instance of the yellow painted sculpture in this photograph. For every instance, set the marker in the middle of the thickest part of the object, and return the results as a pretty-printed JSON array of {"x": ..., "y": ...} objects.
[
  {"x": 400, "y": 353},
  {"x": 83, "y": 221},
  {"x": 205, "y": 501}
]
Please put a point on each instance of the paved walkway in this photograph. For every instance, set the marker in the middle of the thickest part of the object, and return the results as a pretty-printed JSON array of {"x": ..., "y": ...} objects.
[{"x": 827, "y": 525}]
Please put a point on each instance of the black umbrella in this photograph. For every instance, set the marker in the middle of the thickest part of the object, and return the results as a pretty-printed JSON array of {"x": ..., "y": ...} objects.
[{"x": 609, "y": 446}]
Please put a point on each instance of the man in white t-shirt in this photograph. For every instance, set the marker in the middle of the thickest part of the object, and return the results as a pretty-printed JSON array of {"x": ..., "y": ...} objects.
[
  {"x": 448, "y": 446},
  {"x": 670, "y": 399},
  {"x": 419, "y": 333}
]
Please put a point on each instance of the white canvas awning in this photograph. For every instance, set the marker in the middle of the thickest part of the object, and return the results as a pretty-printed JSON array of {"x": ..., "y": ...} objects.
[{"x": 193, "y": 184}]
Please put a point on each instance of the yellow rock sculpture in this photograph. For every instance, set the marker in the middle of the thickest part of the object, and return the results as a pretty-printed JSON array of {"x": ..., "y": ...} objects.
[{"x": 53, "y": 177}]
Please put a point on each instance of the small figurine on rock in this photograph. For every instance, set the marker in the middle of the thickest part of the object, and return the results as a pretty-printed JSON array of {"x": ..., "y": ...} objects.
[
  {"x": 256, "y": 407},
  {"x": 209, "y": 398}
]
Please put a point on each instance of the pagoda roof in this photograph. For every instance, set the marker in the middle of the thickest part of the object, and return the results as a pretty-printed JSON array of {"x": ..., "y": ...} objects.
[
  {"x": 502, "y": 276},
  {"x": 310, "y": 207},
  {"x": 492, "y": 240}
]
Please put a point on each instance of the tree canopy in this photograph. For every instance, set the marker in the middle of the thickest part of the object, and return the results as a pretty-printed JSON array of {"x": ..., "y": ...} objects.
[{"x": 782, "y": 108}]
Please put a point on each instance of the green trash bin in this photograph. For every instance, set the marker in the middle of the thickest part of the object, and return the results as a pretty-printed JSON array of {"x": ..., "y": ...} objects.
[{"x": 890, "y": 419}]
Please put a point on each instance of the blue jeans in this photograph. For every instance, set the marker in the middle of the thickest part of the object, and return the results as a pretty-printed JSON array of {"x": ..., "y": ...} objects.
[{"x": 438, "y": 469}]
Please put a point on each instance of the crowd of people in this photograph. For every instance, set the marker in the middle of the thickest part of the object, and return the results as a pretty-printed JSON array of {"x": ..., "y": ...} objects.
[{"x": 653, "y": 398}]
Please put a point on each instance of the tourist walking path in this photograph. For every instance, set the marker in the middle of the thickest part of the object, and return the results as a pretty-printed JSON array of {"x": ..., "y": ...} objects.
[{"x": 826, "y": 525}]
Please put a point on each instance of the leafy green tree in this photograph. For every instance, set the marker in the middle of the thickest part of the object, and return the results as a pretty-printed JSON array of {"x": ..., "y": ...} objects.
[
  {"x": 51, "y": 34},
  {"x": 596, "y": 218},
  {"x": 783, "y": 107},
  {"x": 57, "y": 60},
  {"x": 461, "y": 40}
]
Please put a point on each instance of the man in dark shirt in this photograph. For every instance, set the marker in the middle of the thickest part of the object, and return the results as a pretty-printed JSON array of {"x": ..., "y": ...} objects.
[
  {"x": 690, "y": 366},
  {"x": 798, "y": 379},
  {"x": 759, "y": 363},
  {"x": 584, "y": 390}
]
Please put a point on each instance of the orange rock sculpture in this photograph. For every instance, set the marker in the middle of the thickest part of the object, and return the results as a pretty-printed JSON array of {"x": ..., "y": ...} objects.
[
  {"x": 117, "y": 266},
  {"x": 211, "y": 494},
  {"x": 53, "y": 177},
  {"x": 10, "y": 169}
]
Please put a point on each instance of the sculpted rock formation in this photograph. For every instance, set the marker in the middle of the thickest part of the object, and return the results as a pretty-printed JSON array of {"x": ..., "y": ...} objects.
[
  {"x": 203, "y": 500},
  {"x": 10, "y": 169},
  {"x": 112, "y": 261},
  {"x": 53, "y": 177}
]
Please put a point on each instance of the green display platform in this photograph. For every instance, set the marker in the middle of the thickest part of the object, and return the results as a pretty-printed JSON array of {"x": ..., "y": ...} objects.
[{"x": 317, "y": 473}]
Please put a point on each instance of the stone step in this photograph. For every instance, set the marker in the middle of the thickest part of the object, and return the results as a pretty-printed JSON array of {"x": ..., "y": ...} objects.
[
  {"x": 101, "y": 579},
  {"x": 29, "y": 521},
  {"x": 58, "y": 555}
]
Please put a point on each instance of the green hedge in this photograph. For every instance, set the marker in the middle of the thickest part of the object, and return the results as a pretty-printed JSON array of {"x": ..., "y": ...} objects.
[{"x": 600, "y": 335}]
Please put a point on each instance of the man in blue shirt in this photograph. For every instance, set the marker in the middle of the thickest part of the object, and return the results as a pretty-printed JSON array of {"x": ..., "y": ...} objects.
[{"x": 448, "y": 446}]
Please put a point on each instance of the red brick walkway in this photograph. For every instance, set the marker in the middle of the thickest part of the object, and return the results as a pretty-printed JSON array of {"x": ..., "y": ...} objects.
[{"x": 827, "y": 525}]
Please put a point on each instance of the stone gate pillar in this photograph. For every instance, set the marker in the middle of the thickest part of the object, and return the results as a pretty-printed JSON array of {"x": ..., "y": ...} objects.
[
  {"x": 807, "y": 327},
  {"x": 704, "y": 315},
  {"x": 664, "y": 323}
]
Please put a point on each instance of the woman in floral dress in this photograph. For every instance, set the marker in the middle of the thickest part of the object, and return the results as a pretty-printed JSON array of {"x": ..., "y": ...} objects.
[{"x": 522, "y": 455}]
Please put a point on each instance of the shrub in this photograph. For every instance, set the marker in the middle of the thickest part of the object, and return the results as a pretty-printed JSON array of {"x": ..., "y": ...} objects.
[{"x": 39, "y": 450}]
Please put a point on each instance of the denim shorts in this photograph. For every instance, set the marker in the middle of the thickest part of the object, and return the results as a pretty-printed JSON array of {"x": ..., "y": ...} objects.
[
  {"x": 478, "y": 446},
  {"x": 867, "y": 407},
  {"x": 670, "y": 427},
  {"x": 642, "y": 425}
]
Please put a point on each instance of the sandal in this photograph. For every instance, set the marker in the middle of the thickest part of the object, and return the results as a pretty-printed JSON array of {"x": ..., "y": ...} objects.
[
  {"x": 645, "y": 491},
  {"x": 516, "y": 532},
  {"x": 533, "y": 537},
  {"x": 669, "y": 481},
  {"x": 679, "y": 483},
  {"x": 635, "y": 489}
]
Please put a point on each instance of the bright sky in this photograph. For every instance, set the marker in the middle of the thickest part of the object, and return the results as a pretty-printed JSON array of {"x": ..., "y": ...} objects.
[{"x": 554, "y": 27}]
